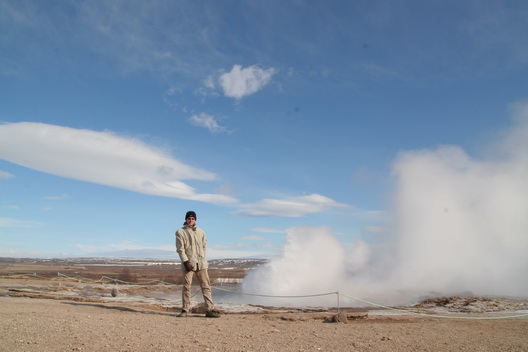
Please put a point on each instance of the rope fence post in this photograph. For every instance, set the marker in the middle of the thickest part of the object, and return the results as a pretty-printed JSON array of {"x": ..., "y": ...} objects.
[{"x": 338, "y": 304}]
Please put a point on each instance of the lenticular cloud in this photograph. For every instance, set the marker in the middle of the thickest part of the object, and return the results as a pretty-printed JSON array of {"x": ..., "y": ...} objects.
[{"x": 103, "y": 158}]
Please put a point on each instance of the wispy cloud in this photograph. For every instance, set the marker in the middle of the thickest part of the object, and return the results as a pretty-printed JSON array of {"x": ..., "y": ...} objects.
[
  {"x": 103, "y": 158},
  {"x": 238, "y": 83},
  {"x": 266, "y": 230},
  {"x": 373, "y": 230},
  {"x": 131, "y": 248},
  {"x": 126, "y": 245},
  {"x": 254, "y": 238},
  {"x": 4, "y": 175},
  {"x": 238, "y": 250},
  {"x": 62, "y": 197},
  {"x": 207, "y": 121},
  {"x": 241, "y": 82},
  {"x": 123, "y": 34},
  {"x": 10, "y": 223},
  {"x": 292, "y": 207},
  {"x": 17, "y": 250}
]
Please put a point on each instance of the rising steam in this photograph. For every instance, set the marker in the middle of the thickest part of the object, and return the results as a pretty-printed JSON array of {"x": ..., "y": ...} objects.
[{"x": 457, "y": 224}]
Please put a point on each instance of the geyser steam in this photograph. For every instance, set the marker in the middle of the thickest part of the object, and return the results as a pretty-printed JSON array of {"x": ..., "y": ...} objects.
[
  {"x": 311, "y": 263},
  {"x": 457, "y": 224}
]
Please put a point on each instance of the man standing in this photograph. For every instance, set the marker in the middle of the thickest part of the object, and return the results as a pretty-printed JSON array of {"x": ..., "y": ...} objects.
[{"x": 191, "y": 246}]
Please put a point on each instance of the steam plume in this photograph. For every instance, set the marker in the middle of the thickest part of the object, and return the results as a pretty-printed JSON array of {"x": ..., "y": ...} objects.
[{"x": 457, "y": 224}]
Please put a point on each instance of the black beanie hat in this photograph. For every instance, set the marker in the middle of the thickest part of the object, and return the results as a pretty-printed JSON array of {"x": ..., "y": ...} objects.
[{"x": 190, "y": 214}]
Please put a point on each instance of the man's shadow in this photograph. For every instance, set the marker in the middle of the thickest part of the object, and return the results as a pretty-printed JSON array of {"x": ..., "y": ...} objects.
[{"x": 121, "y": 309}]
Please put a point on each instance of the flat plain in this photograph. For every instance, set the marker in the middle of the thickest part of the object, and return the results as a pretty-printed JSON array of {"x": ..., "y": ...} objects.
[{"x": 41, "y": 310}]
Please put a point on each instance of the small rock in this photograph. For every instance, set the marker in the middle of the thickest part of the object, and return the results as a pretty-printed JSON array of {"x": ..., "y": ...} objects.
[
  {"x": 340, "y": 318},
  {"x": 114, "y": 292}
]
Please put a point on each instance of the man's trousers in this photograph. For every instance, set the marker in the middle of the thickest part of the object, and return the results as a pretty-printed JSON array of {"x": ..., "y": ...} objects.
[{"x": 205, "y": 285}]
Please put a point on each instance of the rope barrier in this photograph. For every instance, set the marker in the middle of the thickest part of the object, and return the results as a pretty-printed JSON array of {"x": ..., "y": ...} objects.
[
  {"x": 434, "y": 315},
  {"x": 272, "y": 296},
  {"x": 376, "y": 305},
  {"x": 337, "y": 293}
]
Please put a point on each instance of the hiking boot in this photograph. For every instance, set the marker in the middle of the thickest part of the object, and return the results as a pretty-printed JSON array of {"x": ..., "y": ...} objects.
[
  {"x": 182, "y": 314},
  {"x": 212, "y": 314}
]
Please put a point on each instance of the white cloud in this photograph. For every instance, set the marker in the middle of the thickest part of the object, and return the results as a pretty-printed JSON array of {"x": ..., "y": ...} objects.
[
  {"x": 254, "y": 238},
  {"x": 226, "y": 189},
  {"x": 292, "y": 207},
  {"x": 130, "y": 248},
  {"x": 266, "y": 230},
  {"x": 102, "y": 158},
  {"x": 209, "y": 83},
  {"x": 62, "y": 197},
  {"x": 17, "y": 253},
  {"x": 241, "y": 82},
  {"x": 214, "y": 253},
  {"x": 4, "y": 175},
  {"x": 126, "y": 245},
  {"x": 229, "y": 246},
  {"x": 239, "y": 250},
  {"x": 265, "y": 246},
  {"x": 372, "y": 229},
  {"x": 11, "y": 223},
  {"x": 206, "y": 121},
  {"x": 171, "y": 95}
]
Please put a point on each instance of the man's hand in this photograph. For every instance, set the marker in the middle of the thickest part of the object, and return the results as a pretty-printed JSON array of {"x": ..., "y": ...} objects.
[{"x": 188, "y": 266}]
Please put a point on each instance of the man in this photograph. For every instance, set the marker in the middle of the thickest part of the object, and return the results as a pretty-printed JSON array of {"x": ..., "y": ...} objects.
[{"x": 191, "y": 247}]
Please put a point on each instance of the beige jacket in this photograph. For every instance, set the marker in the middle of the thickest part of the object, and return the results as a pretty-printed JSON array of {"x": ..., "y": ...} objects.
[{"x": 191, "y": 244}]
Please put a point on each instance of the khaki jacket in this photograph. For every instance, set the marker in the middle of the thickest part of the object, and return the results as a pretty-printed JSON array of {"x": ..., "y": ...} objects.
[{"x": 191, "y": 244}]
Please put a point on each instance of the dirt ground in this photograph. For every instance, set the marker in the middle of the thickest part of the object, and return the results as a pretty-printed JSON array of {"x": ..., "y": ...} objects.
[
  {"x": 33, "y": 324},
  {"x": 52, "y": 313}
]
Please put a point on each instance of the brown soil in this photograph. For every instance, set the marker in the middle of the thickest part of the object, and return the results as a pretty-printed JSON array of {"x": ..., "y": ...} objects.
[
  {"x": 32, "y": 324},
  {"x": 57, "y": 314}
]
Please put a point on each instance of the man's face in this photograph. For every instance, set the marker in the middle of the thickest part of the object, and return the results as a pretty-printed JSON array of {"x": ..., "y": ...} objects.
[{"x": 190, "y": 221}]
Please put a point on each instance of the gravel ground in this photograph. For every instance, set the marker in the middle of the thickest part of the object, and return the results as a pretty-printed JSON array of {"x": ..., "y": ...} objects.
[{"x": 35, "y": 324}]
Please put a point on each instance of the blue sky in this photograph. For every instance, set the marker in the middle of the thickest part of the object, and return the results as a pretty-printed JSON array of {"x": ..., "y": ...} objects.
[{"x": 261, "y": 116}]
